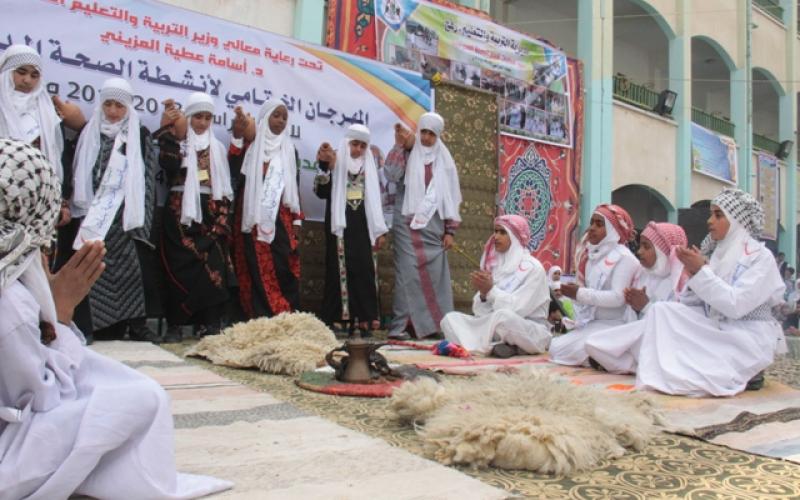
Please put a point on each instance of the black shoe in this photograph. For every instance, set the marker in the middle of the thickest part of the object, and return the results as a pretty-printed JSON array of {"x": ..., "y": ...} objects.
[
  {"x": 140, "y": 332},
  {"x": 597, "y": 366},
  {"x": 756, "y": 383},
  {"x": 213, "y": 328},
  {"x": 399, "y": 336},
  {"x": 174, "y": 335},
  {"x": 503, "y": 351}
]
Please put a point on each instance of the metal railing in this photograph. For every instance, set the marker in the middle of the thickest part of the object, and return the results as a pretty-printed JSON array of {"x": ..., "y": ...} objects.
[
  {"x": 771, "y": 7},
  {"x": 711, "y": 122},
  {"x": 634, "y": 94},
  {"x": 765, "y": 143}
]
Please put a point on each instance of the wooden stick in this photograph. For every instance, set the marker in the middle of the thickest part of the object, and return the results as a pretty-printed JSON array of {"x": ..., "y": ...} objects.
[{"x": 466, "y": 256}]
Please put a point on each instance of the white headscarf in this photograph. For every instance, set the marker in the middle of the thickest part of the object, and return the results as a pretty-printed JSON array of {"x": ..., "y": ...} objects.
[
  {"x": 506, "y": 264},
  {"x": 444, "y": 187},
  {"x": 729, "y": 249},
  {"x": 88, "y": 149},
  {"x": 554, "y": 284},
  {"x": 191, "y": 210},
  {"x": 372, "y": 191},
  {"x": 263, "y": 194},
  {"x": 27, "y": 116}
]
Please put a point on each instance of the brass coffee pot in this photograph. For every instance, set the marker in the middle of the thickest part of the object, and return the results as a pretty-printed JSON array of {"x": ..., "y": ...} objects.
[{"x": 362, "y": 362}]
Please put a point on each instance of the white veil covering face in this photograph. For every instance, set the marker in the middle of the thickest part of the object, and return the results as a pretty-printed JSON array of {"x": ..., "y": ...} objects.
[
  {"x": 191, "y": 210},
  {"x": 264, "y": 194},
  {"x": 26, "y": 116},
  {"x": 125, "y": 131},
  {"x": 443, "y": 194},
  {"x": 372, "y": 192}
]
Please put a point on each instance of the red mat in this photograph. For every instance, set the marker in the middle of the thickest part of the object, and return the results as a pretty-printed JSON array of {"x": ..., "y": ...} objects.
[{"x": 325, "y": 383}]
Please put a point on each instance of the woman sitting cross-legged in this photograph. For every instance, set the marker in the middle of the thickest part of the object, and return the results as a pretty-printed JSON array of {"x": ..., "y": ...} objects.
[
  {"x": 661, "y": 278},
  {"x": 606, "y": 267},
  {"x": 512, "y": 300},
  {"x": 71, "y": 421},
  {"x": 721, "y": 336}
]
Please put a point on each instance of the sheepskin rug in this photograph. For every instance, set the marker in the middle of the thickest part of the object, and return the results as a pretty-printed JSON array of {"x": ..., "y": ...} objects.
[
  {"x": 289, "y": 343},
  {"x": 531, "y": 419}
]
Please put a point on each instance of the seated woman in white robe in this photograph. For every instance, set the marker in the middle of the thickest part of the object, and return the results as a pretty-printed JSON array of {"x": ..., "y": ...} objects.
[
  {"x": 71, "y": 420},
  {"x": 722, "y": 333},
  {"x": 512, "y": 297},
  {"x": 660, "y": 279},
  {"x": 606, "y": 267}
]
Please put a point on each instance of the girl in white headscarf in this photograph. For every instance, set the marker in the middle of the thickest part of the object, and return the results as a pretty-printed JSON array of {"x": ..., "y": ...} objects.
[
  {"x": 196, "y": 229},
  {"x": 72, "y": 422},
  {"x": 267, "y": 213},
  {"x": 511, "y": 300},
  {"x": 721, "y": 335},
  {"x": 354, "y": 226},
  {"x": 427, "y": 216},
  {"x": 660, "y": 278},
  {"x": 113, "y": 200},
  {"x": 28, "y": 114}
]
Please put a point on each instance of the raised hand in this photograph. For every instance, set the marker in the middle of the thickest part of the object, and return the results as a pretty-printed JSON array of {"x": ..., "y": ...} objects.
[
  {"x": 70, "y": 113},
  {"x": 691, "y": 258},
  {"x": 403, "y": 136},
  {"x": 73, "y": 282},
  {"x": 636, "y": 298},
  {"x": 327, "y": 154}
]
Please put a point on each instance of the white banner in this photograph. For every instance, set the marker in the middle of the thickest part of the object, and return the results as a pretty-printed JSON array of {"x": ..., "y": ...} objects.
[{"x": 168, "y": 52}]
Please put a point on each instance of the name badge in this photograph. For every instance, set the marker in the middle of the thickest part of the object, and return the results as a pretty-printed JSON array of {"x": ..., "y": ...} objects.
[
  {"x": 353, "y": 193},
  {"x": 202, "y": 175}
]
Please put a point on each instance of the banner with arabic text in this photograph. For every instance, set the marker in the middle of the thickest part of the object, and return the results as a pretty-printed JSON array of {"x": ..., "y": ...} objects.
[
  {"x": 530, "y": 76},
  {"x": 168, "y": 52},
  {"x": 713, "y": 154},
  {"x": 769, "y": 194}
]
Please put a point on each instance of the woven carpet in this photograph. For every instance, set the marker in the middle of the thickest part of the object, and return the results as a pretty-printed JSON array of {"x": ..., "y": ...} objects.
[{"x": 674, "y": 466}]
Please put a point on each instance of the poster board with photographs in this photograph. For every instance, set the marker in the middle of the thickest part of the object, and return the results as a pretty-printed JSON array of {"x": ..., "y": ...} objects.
[{"x": 529, "y": 76}]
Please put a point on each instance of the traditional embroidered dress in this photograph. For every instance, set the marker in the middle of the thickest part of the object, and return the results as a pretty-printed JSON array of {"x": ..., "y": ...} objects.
[
  {"x": 722, "y": 332},
  {"x": 515, "y": 309},
  {"x": 114, "y": 198},
  {"x": 617, "y": 348},
  {"x": 196, "y": 231},
  {"x": 604, "y": 271},
  {"x": 354, "y": 220},
  {"x": 71, "y": 420},
  {"x": 428, "y": 200},
  {"x": 267, "y": 210}
]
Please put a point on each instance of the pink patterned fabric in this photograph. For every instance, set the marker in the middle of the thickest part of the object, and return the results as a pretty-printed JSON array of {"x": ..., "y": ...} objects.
[
  {"x": 517, "y": 226},
  {"x": 620, "y": 219},
  {"x": 665, "y": 236}
]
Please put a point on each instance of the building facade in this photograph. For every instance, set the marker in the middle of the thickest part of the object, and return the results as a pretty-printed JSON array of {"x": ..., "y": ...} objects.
[{"x": 732, "y": 64}]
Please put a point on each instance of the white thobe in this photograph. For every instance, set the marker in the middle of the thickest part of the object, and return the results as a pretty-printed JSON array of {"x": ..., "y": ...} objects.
[
  {"x": 515, "y": 312},
  {"x": 604, "y": 298},
  {"x": 711, "y": 343},
  {"x": 85, "y": 424},
  {"x": 617, "y": 347}
]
